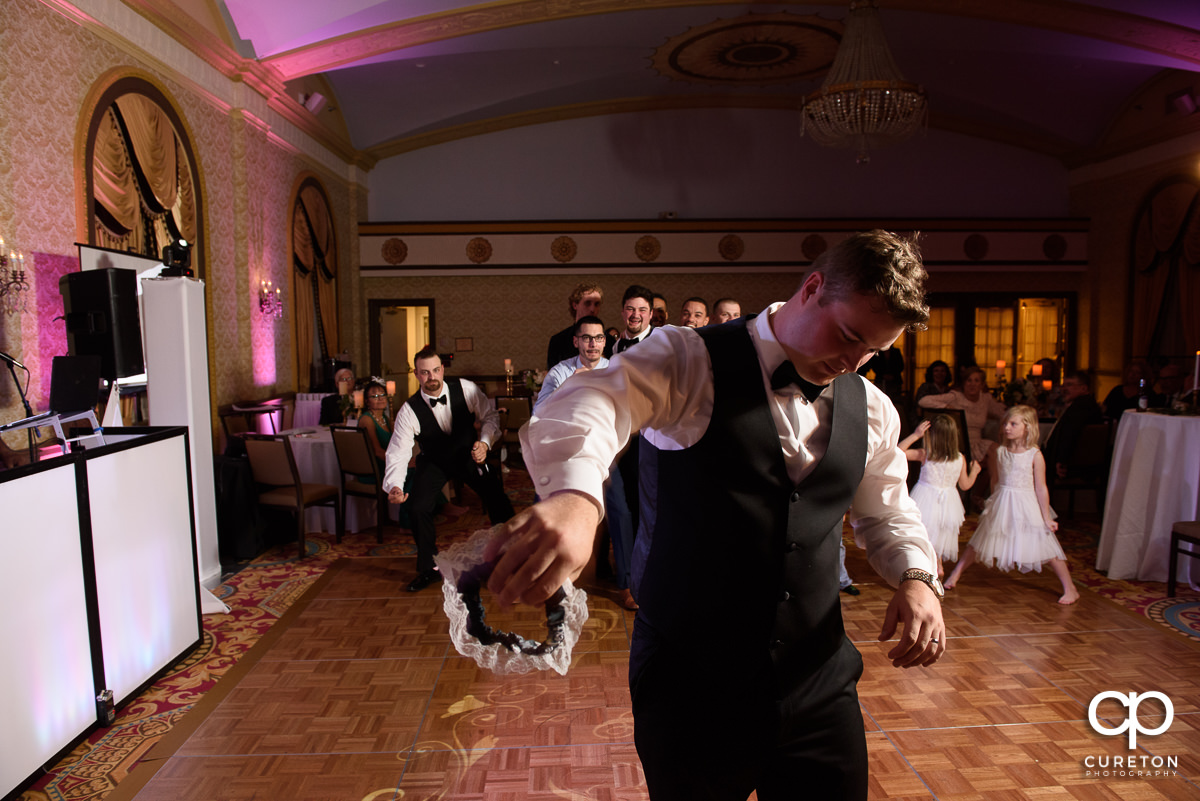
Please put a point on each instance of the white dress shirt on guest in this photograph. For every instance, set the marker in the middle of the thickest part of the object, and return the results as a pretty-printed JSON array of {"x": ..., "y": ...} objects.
[
  {"x": 560, "y": 373},
  {"x": 404, "y": 435},
  {"x": 664, "y": 388}
]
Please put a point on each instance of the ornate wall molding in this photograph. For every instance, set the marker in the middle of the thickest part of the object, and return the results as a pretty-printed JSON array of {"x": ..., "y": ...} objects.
[{"x": 710, "y": 246}]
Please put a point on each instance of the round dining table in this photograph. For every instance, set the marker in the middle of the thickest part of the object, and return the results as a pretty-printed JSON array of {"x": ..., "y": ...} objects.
[
  {"x": 1153, "y": 483},
  {"x": 317, "y": 463}
]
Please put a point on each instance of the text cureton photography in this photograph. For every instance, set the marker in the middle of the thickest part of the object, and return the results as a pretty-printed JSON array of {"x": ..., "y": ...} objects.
[{"x": 1131, "y": 765}]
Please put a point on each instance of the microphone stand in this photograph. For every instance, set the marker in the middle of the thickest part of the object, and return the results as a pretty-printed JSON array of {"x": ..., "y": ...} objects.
[{"x": 28, "y": 410}]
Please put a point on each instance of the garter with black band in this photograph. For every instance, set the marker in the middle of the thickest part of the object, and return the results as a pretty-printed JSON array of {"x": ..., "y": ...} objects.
[{"x": 464, "y": 575}]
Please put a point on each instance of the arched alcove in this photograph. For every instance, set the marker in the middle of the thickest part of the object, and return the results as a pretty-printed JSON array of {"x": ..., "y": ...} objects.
[
  {"x": 315, "y": 261},
  {"x": 141, "y": 183}
]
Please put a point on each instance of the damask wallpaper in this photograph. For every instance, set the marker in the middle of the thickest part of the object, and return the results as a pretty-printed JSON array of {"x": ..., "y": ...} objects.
[
  {"x": 49, "y": 67},
  {"x": 513, "y": 317}
]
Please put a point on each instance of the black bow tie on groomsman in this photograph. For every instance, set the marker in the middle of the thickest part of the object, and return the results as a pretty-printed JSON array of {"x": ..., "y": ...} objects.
[
  {"x": 785, "y": 375},
  {"x": 436, "y": 401}
]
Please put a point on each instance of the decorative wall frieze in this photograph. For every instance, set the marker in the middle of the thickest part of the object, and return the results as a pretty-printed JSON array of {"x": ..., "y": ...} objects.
[{"x": 704, "y": 246}]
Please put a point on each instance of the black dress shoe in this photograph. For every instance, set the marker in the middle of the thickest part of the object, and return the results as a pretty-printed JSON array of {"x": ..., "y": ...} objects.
[
  {"x": 423, "y": 580},
  {"x": 850, "y": 589}
]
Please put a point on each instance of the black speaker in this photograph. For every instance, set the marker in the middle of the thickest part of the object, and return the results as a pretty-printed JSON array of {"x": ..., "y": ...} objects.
[{"x": 101, "y": 310}]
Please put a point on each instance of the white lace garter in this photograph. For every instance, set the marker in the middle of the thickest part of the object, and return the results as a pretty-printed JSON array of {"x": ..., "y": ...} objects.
[{"x": 464, "y": 574}]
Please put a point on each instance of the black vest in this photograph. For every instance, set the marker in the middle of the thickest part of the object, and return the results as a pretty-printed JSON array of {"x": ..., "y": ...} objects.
[
  {"x": 447, "y": 451},
  {"x": 738, "y": 556}
]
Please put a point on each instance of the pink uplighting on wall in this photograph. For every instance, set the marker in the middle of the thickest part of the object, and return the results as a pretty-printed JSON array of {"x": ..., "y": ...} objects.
[
  {"x": 42, "y": 328},
  {"x": 262, "y": 337}
]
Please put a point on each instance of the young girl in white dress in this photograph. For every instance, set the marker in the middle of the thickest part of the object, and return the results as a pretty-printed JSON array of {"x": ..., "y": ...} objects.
[
  {"x": 1016, "y": 527},
  {"x": 944, "y": 471}
]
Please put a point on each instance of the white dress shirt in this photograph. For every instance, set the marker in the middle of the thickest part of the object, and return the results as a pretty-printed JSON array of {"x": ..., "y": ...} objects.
[
  {"x": 404, "y": 434},
  {"x": 663, "y": 387},
  {"x": 560, "y": 373}
]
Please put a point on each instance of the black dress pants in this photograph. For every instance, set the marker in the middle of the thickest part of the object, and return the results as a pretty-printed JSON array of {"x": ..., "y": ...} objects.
[
  {"x": 428, "y": 480},
  {"x": 709, "y": 726}
]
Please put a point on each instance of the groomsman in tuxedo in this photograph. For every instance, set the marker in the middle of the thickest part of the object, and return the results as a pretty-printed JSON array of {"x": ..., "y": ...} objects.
[
  {"x": 765, "y": 435},
  {"x": 636, "y": 310},
  {"x": 441, "y": 418}
]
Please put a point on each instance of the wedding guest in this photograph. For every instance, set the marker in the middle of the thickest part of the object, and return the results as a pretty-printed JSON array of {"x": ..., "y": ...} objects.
[
  {"x": 1170, "y": 384},
  {"x": 440, "y": 417},
  {"x": 726, "y": 309},
  {"x": 658, "y": 312},
  {"x": 1125, "y": 395},
  {"x": 978, "y": 406},
  {"x": 937, "y": 380},
  {"x": 584, "y": 301},
  {"x": 1079, "y": 410},
  {"x": 331, "y": 405},
  {"x": 694, "y": 313}
]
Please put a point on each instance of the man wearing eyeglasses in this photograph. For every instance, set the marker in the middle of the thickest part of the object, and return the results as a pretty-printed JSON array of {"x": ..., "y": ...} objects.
[
  {"x": 583, "y": 302},
  {"x": 589, "y": 341},
  {"x": 440, "y": 417}
]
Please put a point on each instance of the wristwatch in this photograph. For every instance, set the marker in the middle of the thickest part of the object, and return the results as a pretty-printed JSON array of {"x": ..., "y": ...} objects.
[{"x": 916, "y": 574}]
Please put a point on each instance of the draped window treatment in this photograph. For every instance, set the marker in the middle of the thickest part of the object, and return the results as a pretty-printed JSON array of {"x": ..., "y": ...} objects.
[
  {"x": 1166, "y": 264},
  {"x": 141, "y": 182},
  {"x": 314, "y": 252}
]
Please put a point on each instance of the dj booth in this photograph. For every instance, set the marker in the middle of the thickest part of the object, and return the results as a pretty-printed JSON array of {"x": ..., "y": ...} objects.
[{"x": 102, "y": 590}]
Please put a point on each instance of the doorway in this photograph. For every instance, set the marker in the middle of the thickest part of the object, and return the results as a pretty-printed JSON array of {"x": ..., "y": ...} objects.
[{"x": 398, "y": 329}]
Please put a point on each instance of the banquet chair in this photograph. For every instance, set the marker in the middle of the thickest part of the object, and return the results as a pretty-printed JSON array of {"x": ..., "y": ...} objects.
[
  {"x": 354, "y": 456},
  {"x": 1088, "y": 464},
  {"x": 1185, "y": 531},
  {"x": 515, "y": 412},
  {"x": 273, "y": 467}
]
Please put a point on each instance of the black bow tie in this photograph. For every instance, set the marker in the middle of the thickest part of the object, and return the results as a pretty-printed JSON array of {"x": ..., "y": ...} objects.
[
  {"x": 436, "y": 401},
  {"x": 624, "y": 343},
  {"x": 786, "y": 375}
]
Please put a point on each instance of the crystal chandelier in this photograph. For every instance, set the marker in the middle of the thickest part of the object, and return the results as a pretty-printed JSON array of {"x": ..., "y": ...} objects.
[
  {"x": 864, "y": 100},
  {"x": 14, "y": 285}
]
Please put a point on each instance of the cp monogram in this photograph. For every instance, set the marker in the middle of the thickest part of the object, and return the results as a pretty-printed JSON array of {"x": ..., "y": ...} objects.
[{"x": 1131, "y": 723}]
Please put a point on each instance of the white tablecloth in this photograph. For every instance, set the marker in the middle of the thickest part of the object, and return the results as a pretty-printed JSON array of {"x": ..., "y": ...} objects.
[
  {"x": 1154, "y": 482},
  {"x": 308, "y": 409},
  {"x": 317, "y": 462}
]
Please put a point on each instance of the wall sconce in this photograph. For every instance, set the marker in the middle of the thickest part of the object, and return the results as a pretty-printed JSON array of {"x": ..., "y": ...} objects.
[
  {"x": 270, "y": 301},
  {"x": 14, "y": 284}
]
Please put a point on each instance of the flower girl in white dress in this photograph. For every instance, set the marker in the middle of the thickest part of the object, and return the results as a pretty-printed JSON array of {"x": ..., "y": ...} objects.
[
  {"x": 1016, "y": 527},
  {"x": 944, "y": 472}
]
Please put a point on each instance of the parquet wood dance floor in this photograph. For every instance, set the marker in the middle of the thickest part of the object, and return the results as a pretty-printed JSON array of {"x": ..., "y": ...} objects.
[{"x": 357, "y": 693}]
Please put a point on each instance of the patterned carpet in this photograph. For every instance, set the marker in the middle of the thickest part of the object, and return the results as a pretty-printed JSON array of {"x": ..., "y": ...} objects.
[{"x": 262, "y": 590}]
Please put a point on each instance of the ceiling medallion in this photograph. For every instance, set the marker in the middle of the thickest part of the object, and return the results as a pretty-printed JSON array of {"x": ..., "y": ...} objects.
[
  {"x": 395, "y": 251},
  {"x": 479, "y": 250},
  {"x": 754, "y": 49}
]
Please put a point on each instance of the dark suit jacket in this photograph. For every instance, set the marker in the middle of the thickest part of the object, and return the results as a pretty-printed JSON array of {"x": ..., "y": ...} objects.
[{"x": 1060, "y": 446}]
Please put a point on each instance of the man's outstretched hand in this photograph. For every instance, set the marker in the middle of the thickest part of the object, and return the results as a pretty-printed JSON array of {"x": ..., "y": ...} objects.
[
  {"x": 542, "y": 547},
  {"x": 924, "y": 639}
]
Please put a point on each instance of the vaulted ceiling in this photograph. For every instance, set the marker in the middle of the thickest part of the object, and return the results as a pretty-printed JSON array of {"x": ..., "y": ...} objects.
[{"x": 1047, "y": 75}]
